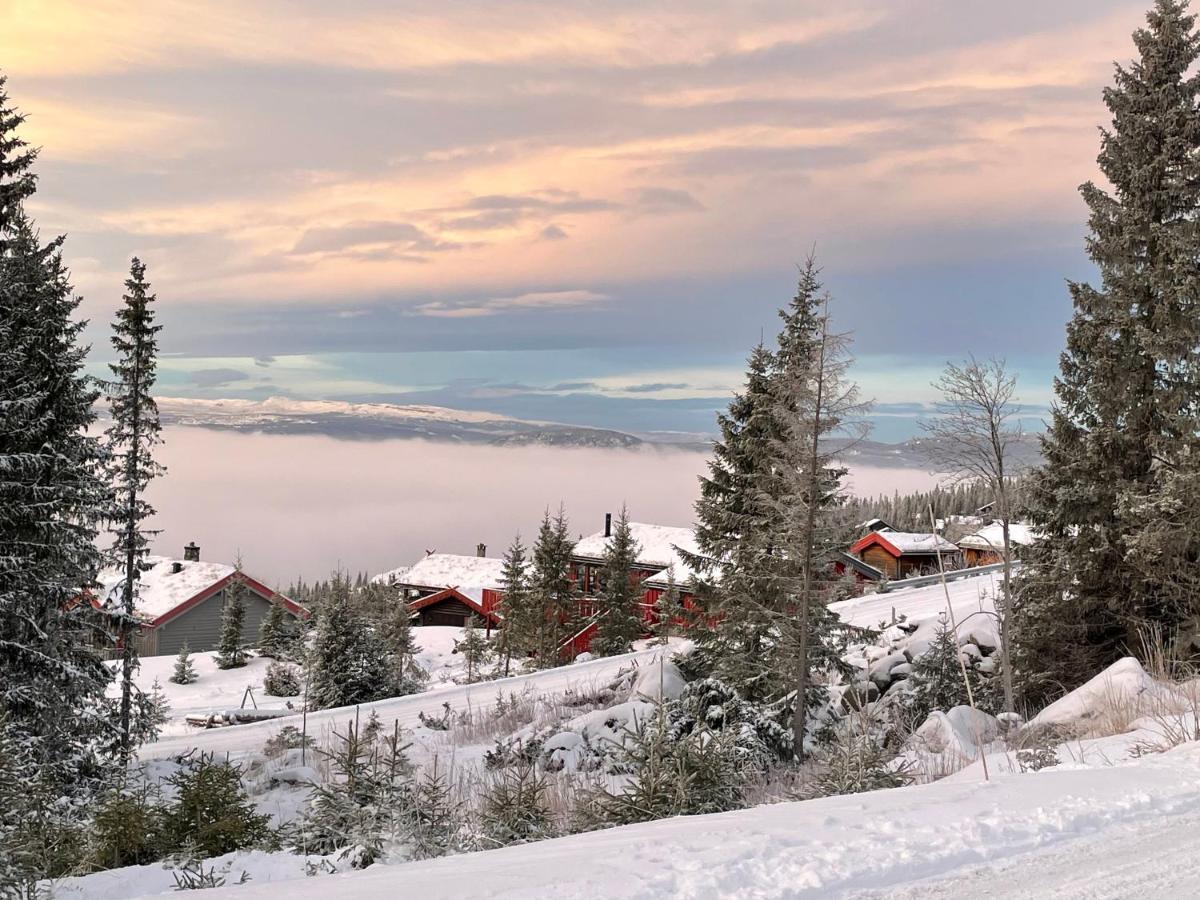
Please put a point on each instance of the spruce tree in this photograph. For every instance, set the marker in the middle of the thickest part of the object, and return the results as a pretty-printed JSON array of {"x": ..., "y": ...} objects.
[
  {"x": 348, "y": 662},
  {"x": 729, "y": 522},
  {"x": 554, "y": 592},
  {"x": 129, "y": 444},
  {"x": 520, "y": 627},
  {"x": 185, "y": 670},
  {"x": 1124, "y": 421},
  {"x": 476, "y": 652},
  {"x": 813, "y": 402},
  {"x": 275, "y": 635},
  {"x": 231, "y": 650},
  {"x": 52, "y": 681},
  {"x": 619, "y": 619},
  {"x": 667, "y": 609}
]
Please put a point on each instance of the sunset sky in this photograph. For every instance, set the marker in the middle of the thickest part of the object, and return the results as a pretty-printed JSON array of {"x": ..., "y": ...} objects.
[{"x": 581, "y": 212}]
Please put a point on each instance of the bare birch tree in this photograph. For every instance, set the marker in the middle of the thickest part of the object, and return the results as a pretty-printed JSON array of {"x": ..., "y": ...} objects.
[{"x": 973, "y": 435}]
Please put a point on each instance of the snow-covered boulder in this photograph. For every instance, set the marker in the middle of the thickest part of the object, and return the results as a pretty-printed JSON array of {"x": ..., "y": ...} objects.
[
  {"x": 949, "y": 741},
  {"x": 1121, "y": 693},
  {"x": 660, "y": 680}
]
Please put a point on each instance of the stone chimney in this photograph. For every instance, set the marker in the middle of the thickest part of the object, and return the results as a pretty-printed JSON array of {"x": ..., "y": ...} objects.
[
  {"x": 191, "y": 553},
  {"x": 176, "y": 567},
  {"x": 608, "y": 524},
  {"x": 481, "y": 550}
]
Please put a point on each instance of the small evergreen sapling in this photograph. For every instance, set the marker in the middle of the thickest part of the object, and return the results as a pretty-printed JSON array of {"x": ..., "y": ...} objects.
[
  {"x": 185, "y": 669},
  {"x": 211, "y": 814},
  {"x": 476, "y": 651},
  {"x": 668, "y": 609},
  {"x": 231, "y": 651},
  {"x": 514, "y": 808},
  {"x": 282, "y": 680}
]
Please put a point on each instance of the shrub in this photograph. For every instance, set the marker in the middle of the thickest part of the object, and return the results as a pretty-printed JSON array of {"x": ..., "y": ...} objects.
[
  {"x": 282, "y": 680},
  {"x": 126, "y": 827},
  {"x": 211, "y": 814},
  {"x": 513, "y": 807}
]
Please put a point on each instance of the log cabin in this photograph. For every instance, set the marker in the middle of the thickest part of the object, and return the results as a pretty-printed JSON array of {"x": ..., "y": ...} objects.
[
  {"x": 450, "y": 589},
  {"x": 900, "y": 554},
  {"x": 986, "y": 546}
]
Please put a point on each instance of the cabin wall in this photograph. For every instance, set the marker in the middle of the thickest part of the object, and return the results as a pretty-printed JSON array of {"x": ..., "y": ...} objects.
[
  {"x": 879, "y": 558},
  {"x": 200, "y": 626}
]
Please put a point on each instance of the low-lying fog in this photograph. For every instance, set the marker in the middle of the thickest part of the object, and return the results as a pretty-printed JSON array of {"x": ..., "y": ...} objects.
[{"x": 298, "y": 505}]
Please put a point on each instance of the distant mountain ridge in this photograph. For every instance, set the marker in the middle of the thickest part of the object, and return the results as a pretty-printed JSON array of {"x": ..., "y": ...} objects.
[{"x": 384, "y": 421}]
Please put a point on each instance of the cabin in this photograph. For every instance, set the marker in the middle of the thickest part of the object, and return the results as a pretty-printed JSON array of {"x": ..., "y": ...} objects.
[
  {"x": 986, "y": 546},
  {"x": 864, "y": 574},
  {"x": 658, "y": 555},
  {"x": 900, "y": 554},
  {"x": 451, "y": 589},
  {"x": 875, "y": 524},
  {"x": 182, "y": 601}
]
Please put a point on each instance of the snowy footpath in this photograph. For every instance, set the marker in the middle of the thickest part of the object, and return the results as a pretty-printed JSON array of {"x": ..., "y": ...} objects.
[{"x": 1126, "y": 830}]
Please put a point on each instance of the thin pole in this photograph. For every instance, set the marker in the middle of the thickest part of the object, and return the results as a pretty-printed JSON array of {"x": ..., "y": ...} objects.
[{"x": 962, "y": 663}]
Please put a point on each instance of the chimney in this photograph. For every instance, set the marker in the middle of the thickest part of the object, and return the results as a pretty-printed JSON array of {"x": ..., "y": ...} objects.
[
  {"x": 176, "y": 567},
  {"x": 191, "y": 553},
  {"x": 608, "y": 524},
  {"x": 481, "y": 550}
]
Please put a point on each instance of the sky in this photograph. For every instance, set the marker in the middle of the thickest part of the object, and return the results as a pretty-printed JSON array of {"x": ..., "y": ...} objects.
[{"x": 572, "y": 211}]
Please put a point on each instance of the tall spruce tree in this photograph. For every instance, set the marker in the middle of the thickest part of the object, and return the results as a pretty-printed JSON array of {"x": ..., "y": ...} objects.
[
  {"x": 813, "y": 402},
  {"x": 554, "y": 592},
  {"x": 52, "y": 681},
  {"x": 619, "y": 620},
  {"x": 129, "y": 443},
  {"x": 520, "y": 628},
  {"x": 1124, "y": 424},
  {"x": 729, "y": 526}
]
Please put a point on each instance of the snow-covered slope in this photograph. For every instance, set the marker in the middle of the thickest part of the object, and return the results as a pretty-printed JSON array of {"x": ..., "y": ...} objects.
[
  {"x": 407, "y": 710},
  {"x": 1125, "y": 830},
  {"x": 380, "y": 420}
]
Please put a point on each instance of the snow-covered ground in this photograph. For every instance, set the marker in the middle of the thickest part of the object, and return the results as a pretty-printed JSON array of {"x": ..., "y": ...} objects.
[
  {"x": 218, "y": 689},
  {"x": 580, "y": 677},
  {"x": 1124, "y": 828}
]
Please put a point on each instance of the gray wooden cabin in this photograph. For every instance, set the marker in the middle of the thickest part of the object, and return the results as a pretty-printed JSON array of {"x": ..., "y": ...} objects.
[{"x": 183, "y": 601}]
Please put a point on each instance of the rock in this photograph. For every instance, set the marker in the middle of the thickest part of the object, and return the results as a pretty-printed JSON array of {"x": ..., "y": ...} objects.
[
  {"x": 658, "y": 681},
  {"x": 904, "y": 670},
  {"x": 857, "y": 694},
  {"x": 298, "y": 775}
]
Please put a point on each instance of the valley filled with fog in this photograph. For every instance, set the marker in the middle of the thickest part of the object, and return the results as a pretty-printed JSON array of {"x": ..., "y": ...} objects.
[{"x": 304, "y": 505}]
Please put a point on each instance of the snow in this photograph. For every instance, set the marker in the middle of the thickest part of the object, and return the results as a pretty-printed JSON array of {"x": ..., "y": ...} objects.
[
  {"x": 947, "y": 839},
  {"x": 971, "y": 597},
  {"x": 1122, "y": 688},
  {"x": 656, "y": 545},
  {"x": 916, "y": 542},
  {"x": 160, "y": 589},
  {"x": 581, "y": 678},
  {"x": 244, "y": 412},
  {"x": 992, "y": 537},
  {"x": 449, "y": 570}
]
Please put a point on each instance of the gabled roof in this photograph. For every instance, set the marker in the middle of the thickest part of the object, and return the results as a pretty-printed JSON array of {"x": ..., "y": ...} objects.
[
  {"x": 902, "y": 543},
  {"x": 163, "y": 593},
  {"x": 469, "y": 574},
  {"x": 992, "y": 537},
  {"x": 452, "y": 594},
  {"x": 656, "y": 545},
  {"x": 875, "y": 524}
]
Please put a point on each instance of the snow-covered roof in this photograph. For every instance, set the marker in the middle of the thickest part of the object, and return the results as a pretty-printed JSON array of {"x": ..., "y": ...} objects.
[
  {"x": 656, "y": 545},
  {"x": 445, "y": 570},
  {"x": 906, "y": 542},
  {"x": 160, "y": 589},
  {"x": 992, "y": 537}
]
